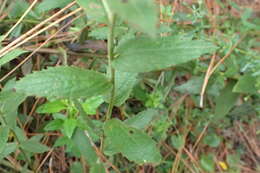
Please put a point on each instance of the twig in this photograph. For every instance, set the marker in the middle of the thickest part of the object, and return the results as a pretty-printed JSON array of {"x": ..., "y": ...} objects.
[
  {"x": 43, "y": 161},
  {"x": 206, "y": 79},
  {"x": 226, "y": 56}
]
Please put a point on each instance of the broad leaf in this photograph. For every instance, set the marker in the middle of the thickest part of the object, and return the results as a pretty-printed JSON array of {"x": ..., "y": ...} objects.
[
  {"x": 177, "y": 141},
  {"x": 4, "y": 132},
  {"x": 56, "y": 124},
  {"x": 212, "y": 139},
  {"x": 246, "y": 84},
  {"x": 142, "y": 14},
  {"x": 124, "y": 83},
  {"x": 134, "y": 144},
  {"x": 52, "y": 107},
  {"x": 69, "y": 126},
  {"x": 9, "y": 102},
  {"x": 64, "y": 82},
  {"x": 144, "y": 54},
  {"x": 8, "y": 149},
  {"x": 76, "y": 167},
  {"x": 97, "y": 168},
  {"x": 94, "y": 10},
  {"x": 225, "y": 101},
  {"x": 10, "y": 56},
  {"x": 83, "y": 144},
  {"x": 47, "y": 5},
  {"x": 90, "y": 105},
  {"x": 207, "y": 163},
  {"x": 33, "y": 146},
  {"x": 143, "y": 119}
]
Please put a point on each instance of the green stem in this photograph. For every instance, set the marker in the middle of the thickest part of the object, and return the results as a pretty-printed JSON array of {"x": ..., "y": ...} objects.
[{"x": 110, "y": 56}]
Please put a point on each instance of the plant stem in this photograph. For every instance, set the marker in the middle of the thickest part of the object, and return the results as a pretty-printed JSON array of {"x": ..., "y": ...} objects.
[{"x": 110, "y": 56}]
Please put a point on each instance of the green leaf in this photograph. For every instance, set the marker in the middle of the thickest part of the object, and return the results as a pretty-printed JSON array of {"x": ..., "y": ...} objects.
[
  {"x": 4, "y": 132},
  {"x": 9, "y": 102},
  {"x": 225, "y": 101},
  {"x": 11, "y": 55},
  {"x": 192, "y": 86},
  {"x": 54, "y": 125},
  {"x": 83, "y": 144},
  {"x": 18, "y": 8},
  {"x": 76, "y": 167},
  {"x": 64, "y": 82},
  {"x": 52, "y": 107},
  {"x": 144, "y": 54},
  {"x": 33, "y": 146},
  {"x": 207, "y": 163},
  {"x": 246, "y": 84},
  {"x": 177, "y": 141},
  {"x": 212, "y": 139},
  {"x": 69, "y": 126},
  {"x": 8, "y": 149},
  {"x": 47, "y": 5},
  {"x": 124, "y": 83},
  {"x": 143, "y": 119},
  {"x": 94, "y": 10},
  {"x": 160, "y": 128},
  {"x": 97, "y": 168},
  {"x": 134, "y": 144},
  {"x": 90, "y": 105},
  {"x": 142, "y": 15}
]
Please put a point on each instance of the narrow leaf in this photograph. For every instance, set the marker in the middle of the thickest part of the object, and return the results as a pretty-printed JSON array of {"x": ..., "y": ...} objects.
[
  {"x": 11, "y": 55},
  {"x": 134, "y": 144},
  {"x": 144, "y": 54},
  {"x": 64, "y": 82}
]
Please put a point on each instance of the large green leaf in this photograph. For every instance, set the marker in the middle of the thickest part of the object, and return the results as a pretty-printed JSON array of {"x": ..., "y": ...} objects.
[
  {"x": 10, "y": 56},
  {"x": 246, "y": 84},
  {"x": 225, "y": 101},
  {"x": 64, "y": 82},
  {"x": 143, "y": 119},
  {"x": 144, "y": 54},
  {"x": 141, "y": 14},
  {"x": 134, "y": 144}
]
